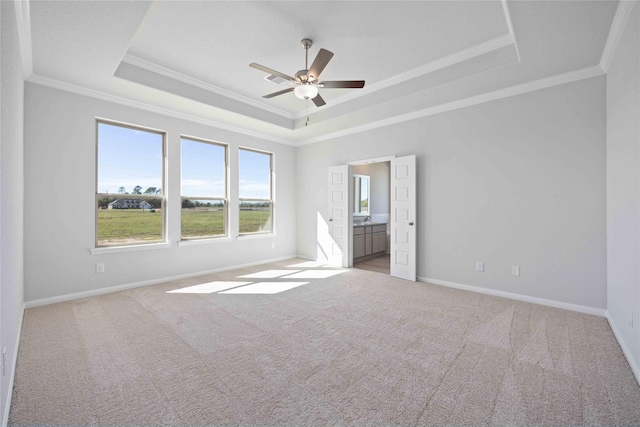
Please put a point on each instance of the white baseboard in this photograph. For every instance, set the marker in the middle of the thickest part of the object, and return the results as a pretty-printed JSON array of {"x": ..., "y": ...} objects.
[
  {"x": 534, "y": 300},
  {"x": 625, "y": 350},
  {"x": 12, "y": 374},
  {"x": 127, "y": 286}
]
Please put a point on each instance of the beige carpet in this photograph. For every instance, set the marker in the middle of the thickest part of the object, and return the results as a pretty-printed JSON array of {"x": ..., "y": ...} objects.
[{"x": 305, "y": 345}]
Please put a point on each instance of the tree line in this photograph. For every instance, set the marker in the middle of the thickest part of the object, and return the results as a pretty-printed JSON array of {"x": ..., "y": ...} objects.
[
  {"x": 138, "y": 190},
  {"x": 190, "y": 204},
  {"x": 156, "y": 203}
]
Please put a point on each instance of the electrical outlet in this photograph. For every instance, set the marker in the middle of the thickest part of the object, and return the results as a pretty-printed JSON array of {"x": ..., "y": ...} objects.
[
  {"x": 273, "y": 245},
  {"x": 515, "y": 270},
  {"x": 479, "y": 266},
  {"x": 100, "y": 267}
]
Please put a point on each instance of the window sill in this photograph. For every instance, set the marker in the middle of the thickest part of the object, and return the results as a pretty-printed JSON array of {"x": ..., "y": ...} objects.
[
  {"x": 132, "y": 248},
  {"x": 256, "y": 236},
  {"x": 209, "y": 241}
]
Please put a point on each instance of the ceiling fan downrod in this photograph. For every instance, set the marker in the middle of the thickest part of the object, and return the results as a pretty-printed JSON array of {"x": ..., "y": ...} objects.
[{"x": 306, "y": 44}]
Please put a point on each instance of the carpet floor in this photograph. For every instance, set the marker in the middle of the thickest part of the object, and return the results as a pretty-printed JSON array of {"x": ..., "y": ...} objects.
[{"x": 296, "y": 343}]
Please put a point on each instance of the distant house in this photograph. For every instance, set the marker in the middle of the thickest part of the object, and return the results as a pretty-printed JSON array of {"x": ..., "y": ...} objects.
[{"x": 129, "y": 204}]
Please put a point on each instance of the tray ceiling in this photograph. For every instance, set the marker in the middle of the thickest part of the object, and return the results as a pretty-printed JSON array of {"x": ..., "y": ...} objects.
[{"x": 191, "y": 58}]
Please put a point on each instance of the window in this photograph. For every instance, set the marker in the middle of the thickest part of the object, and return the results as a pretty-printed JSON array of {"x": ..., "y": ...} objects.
[
  {"x": 203, "y": 189},
  {"x": 129, "y": 186},
  {"x": 256, "y": 193}
]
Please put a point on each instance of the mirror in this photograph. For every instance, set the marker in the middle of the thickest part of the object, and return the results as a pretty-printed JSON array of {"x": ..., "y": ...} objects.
[{"x": 361, "y": 195}]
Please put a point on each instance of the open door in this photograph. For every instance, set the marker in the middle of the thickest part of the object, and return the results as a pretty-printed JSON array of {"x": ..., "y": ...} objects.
[
  {"x": 403, "y": 217},
  {"x": 339, "y": 222}
]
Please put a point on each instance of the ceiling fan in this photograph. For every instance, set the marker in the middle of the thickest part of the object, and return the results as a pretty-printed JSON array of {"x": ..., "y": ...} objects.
[{"x": 306, "y": 80}]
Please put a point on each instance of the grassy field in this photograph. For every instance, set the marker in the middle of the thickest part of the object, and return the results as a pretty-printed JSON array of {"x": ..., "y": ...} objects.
[{"x": 119, "y": 226}]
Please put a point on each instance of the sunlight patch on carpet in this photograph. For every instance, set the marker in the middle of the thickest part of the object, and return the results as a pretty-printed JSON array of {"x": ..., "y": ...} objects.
[
  {"x": 315, "y": 274},
  {"x": 309, "y": 264},
  {"x": 265, "y": 288},
  {"x": 268, "y": 274},
  {"x": 208, "y": 288}
]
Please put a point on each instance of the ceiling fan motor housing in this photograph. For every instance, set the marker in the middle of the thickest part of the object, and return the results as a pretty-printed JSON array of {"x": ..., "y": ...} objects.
[{"x": 301, "y": 76}]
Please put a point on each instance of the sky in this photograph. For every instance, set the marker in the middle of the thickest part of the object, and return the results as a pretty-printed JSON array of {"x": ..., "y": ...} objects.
[{"x": 129, "y": 157}]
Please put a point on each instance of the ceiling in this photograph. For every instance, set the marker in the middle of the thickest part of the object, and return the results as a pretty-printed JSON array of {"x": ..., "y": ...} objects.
[{"x": 191, "y": 58}]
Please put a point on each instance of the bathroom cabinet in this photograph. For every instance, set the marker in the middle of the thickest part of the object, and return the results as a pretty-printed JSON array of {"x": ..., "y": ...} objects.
[{"x": 369, "y": 239}]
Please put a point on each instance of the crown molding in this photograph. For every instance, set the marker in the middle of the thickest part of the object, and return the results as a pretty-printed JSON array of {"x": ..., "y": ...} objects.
[
  {"x": 68, "y": 87},
  {"x": 507, "y": 17},
  {"x": 461, "y": 56},
  {"x": 623, "y": 12},
  {"x": 175, "y": 75},
  {"x": 556, "y": 80},
  {"x": 560, "y": 79},
  {"x": 23, "y": 24},
  {"x": 447, "y": 61}
]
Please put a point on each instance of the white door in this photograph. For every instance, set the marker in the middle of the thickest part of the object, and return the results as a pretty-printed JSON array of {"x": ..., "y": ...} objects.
[
  {"x": 338, "y": 221},
  {"x": 403, "y": 217}
]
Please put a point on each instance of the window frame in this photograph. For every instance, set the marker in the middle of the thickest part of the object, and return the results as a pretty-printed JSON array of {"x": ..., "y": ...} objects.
[
  {"x": 225, "y": 199},
  {"x": 271, "y": 198},
  {"x": 162, "y": 196}
]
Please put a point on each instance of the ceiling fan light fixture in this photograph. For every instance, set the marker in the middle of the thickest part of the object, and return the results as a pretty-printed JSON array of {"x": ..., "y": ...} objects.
[{"x": 306, "y": 91}]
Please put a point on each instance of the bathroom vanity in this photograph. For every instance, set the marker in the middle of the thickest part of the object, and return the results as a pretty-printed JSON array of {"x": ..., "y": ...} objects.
[{"x": 369, "y": 239}]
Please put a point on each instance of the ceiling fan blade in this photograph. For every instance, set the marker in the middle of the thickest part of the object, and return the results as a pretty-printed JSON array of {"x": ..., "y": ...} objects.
[
  {"x": 343, "y": 84},
  {"x": 321, "y": 61},
  {"x": 318, "y": 101},
  {"x": 270, "y": 71},
  {"x": 281, "y": 92}
]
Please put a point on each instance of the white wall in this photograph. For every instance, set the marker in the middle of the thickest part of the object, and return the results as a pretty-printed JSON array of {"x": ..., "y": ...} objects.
[
  {"x": 518, "y": 181},
  {"x": 623, "y": 190},
  {"x": 11, "y": 195},
  {"x": 60, "y": 150}
]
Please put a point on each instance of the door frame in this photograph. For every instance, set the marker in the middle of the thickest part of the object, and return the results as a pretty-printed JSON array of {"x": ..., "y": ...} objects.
[{"x": 349, "y": 244}]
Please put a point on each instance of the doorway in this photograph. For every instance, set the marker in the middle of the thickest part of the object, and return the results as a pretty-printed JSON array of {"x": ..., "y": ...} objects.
[
  {"x": 372, "y": 196},
  {"x": 402, "y": 217}
]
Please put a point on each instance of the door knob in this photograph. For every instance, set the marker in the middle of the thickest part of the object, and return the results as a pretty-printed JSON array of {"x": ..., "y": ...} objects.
[
  {"x": 330, "y": 219},
  {"x": 410, "y": 223}
]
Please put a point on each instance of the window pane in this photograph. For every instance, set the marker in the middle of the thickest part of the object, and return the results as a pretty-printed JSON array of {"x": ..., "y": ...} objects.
[
  {"x": 203, "y": 218},
  {"x": 203, "y": 169},
  {"x": 129, "y": 225},
  {"x": 130, "y": 162},
  {"x": 255, "y": 175},
  {"x": 256, "y": 206},
  {"x": 203, "y": 187},
  {"x": 255, "y": 217}
]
